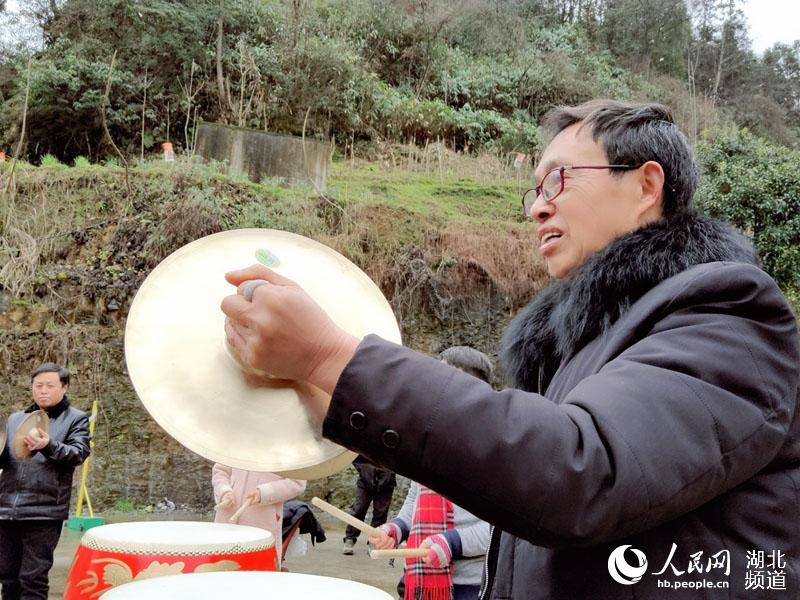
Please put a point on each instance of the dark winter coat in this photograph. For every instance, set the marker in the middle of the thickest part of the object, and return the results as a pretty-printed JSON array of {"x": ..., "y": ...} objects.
[
  {"x": 295, "y": 511},
  {"x": 40, "y": 487},
  {"x": 660, "y": 414},
  {"x": 374, "y": 478}
]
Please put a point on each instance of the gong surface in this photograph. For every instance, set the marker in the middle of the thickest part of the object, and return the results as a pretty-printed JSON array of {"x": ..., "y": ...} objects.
[{"x": 185, "y": 376}]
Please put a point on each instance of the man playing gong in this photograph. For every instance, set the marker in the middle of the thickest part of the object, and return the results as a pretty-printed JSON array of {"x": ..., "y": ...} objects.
[
  {"x": 36, "y": 484},
  {"x": 655, "y": 381}
]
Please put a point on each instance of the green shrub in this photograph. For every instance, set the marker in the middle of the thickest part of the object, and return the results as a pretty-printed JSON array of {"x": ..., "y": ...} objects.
[
  {"x": 755, "y": 185},
  {"x": 406, "y": 117},
  {"x": 49, "y": 161},
  {"x": 125, "y": 505}
]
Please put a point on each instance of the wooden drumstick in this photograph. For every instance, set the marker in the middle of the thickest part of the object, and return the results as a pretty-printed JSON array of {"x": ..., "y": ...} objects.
[
  {"x": 399, "y": 553},
  {"x": 235, "y": 516},
  {"x": 346, "y": 517}
]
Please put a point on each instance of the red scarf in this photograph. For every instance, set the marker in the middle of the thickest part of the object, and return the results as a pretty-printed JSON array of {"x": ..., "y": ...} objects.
[{"x": 434, "y": 514}]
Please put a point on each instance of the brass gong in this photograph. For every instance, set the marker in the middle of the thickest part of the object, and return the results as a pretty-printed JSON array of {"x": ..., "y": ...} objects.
[
  {"x": 185, "y": 376},
  {"x": 37, "y": 419}
]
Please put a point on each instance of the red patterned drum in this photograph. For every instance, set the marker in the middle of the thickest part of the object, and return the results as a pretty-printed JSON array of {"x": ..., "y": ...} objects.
[
  {"x": 246, "y": 586},
  {"x": 111, "y": 555}
]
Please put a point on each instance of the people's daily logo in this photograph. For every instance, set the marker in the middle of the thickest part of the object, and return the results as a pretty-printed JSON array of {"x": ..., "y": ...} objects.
[
  {"x": 621, "y": 570},
  {"x": 766, "y": 569}
]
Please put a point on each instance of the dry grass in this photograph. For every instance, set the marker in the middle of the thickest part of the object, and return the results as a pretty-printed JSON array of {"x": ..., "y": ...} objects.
[
  {"x": 439, "y": 160},
  {"x": 693, "y": 114},
  {"x": 506, "y": 255},
  {"x": 29, "y": 231},
  {"x": 182, "y": 224},
  {"x": 425, "y": 268},
  {"x": 74, "y": 346},
  {"x": 381, "y": 238}
]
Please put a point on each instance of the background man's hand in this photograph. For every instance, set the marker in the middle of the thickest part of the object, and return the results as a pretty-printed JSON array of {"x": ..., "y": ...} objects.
[{"x": 36, "y": 440}]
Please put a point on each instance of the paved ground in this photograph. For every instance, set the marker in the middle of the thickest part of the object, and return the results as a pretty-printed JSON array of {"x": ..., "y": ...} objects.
[{"x": 324, "y": 559}]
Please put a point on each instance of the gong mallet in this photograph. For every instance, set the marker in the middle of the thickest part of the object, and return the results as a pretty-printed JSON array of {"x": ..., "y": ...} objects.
[{"x": 343, "y": 516}]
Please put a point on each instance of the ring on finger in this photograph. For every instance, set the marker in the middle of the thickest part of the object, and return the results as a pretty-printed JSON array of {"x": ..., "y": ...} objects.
[{"x": 249, "y": 288}]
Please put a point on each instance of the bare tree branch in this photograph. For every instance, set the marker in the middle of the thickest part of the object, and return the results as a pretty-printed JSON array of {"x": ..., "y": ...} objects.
[
  {"x": 144, "y": 106},
  {"x": 220, "y": 75},
  {"x": 10, "y": 182},
  {"x": 190, "y": 93},
  {"x": 105, "y": 124}
]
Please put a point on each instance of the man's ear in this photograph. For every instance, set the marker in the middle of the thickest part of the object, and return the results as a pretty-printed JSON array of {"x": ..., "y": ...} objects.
[{"x": 651, "y": 181}]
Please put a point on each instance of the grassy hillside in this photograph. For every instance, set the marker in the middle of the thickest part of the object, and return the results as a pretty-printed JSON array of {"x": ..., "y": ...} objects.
[{"x": 439, "y": 233}]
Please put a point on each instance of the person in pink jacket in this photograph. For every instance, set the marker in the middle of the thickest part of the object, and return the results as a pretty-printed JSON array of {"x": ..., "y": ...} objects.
[{"x": 266, "y": 493}]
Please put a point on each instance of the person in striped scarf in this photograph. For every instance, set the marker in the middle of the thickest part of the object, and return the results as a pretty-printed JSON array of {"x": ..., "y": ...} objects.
[{"x": 456, "y": 539}]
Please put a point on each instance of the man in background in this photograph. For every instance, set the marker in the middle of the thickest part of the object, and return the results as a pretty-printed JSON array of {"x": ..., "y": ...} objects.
[
  {"x": 375, "y": 485},
  {"x": 35, "y": 491}
]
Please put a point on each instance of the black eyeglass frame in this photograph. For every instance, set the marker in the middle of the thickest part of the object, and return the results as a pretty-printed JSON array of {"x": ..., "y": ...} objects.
[{"x": 527, "y": 205}]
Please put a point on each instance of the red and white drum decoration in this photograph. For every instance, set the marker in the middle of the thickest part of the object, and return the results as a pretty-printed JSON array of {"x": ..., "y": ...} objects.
[
  {"x": 249, "y": 585},
  {"x": 112, "y": 555}
]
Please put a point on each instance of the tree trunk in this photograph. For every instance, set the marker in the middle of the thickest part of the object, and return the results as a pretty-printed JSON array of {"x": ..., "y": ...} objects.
[
  {"x": 144, "y": 107},
  {"x": 719, "y": 63},
  {"x": 220, "y": 75}
]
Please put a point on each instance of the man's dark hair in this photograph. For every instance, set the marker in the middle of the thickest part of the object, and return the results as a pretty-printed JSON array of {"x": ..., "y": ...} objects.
[
  {"x": 468, "y": 359},
  {"x": 49, "y": 367},
  {"x": 633, "y": 134}
]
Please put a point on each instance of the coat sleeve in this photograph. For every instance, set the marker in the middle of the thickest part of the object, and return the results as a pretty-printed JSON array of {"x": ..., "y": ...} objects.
[
  {"x": 281, "y": 490},
  {"x": 75, "y": 447},
  {"x": 221, "y": 480},
  {"x": 698, "y": 403}
]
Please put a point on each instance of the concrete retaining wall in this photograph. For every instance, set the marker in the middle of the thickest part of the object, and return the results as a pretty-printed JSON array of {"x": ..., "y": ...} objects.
[{"x": 258, "y": 154}]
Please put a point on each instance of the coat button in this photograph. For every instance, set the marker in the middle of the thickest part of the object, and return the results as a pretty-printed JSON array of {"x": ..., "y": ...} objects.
[
  {"x": 358, "y": 420},
  {"x": 390, "y": 438}
]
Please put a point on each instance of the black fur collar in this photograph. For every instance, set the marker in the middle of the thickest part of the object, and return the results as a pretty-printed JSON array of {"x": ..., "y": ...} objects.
[
  {"x": 567, "y": 314},
  {"x": 54, "y": 411}
]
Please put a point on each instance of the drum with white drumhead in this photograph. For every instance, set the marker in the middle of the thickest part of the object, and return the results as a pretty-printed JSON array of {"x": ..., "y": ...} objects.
[
  {"x": 249, "y": 585},
  {"x": 120, "y": 553}
]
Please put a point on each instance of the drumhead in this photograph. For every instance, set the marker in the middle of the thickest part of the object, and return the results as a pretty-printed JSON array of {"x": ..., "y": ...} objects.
[
  {"x": 177, "y": 538},
  {"x": 255, "y": 585}
]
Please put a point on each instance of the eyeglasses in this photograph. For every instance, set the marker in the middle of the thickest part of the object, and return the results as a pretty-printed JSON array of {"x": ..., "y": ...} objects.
[{"x": 552, "y": 184}]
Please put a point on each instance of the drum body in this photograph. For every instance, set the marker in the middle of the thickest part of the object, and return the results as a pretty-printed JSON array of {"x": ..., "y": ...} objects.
[
  {"x": 112, "y": 555},
  {"x": 249, "y": 585}
]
